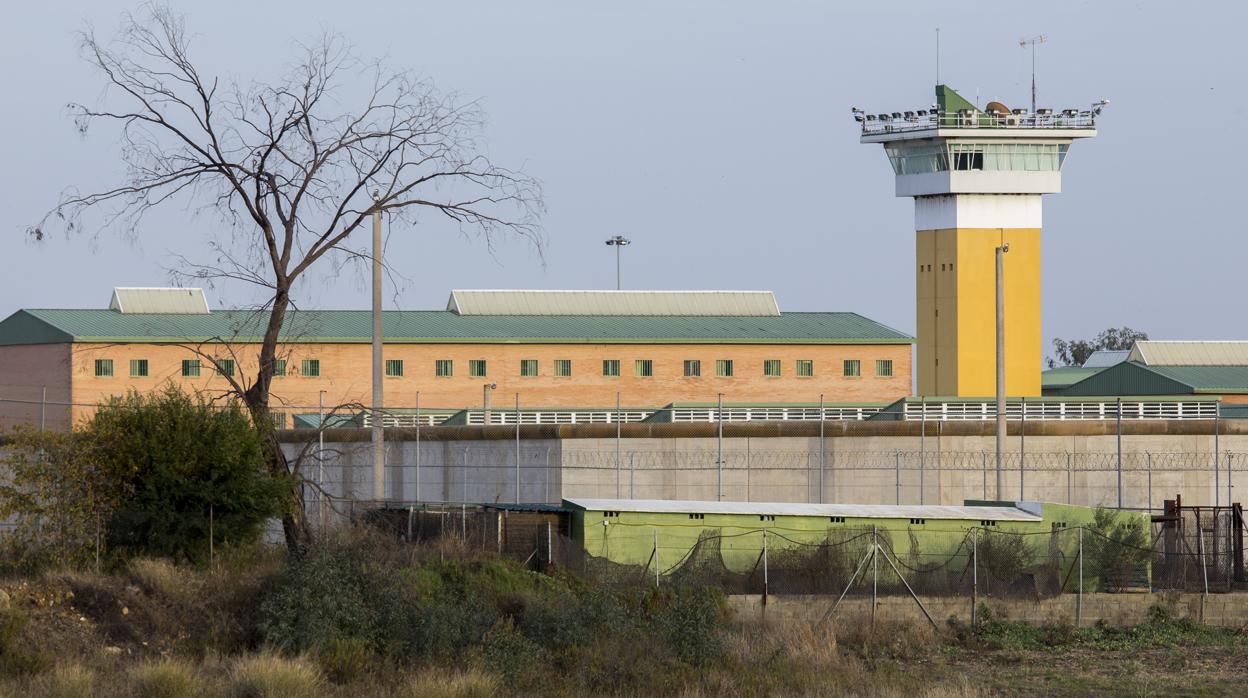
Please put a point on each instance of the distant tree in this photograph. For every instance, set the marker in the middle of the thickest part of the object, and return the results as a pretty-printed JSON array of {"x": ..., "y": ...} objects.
[
  {"x": 1074, "y": 352},
  {"x": 295, "y": 168}
]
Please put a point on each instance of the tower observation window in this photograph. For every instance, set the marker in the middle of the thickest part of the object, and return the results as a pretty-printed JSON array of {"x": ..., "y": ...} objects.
[{"x": 1012, "y": 157}]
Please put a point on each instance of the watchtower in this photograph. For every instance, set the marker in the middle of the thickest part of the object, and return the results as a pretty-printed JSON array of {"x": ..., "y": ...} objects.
[{"x": 976, "y": 176}]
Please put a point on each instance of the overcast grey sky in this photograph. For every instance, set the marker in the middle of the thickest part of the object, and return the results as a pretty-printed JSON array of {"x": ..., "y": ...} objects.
[{"x": 717, "y": 136}]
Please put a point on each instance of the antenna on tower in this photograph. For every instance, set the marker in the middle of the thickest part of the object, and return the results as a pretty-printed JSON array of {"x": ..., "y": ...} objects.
[
  {"x": 1023, "y": 44},
  {"x": 937, "y": 55}
]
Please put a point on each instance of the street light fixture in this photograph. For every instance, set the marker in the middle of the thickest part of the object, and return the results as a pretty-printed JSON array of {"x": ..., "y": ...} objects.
[
  {"x": 617, "y": 242},
  {"x": 1001, "y": 407}
]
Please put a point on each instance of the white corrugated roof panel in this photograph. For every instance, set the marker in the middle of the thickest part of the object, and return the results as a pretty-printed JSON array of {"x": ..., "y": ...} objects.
[
  {"x": 857, "y": 511},
  {"x": 1104, "y": 358},
  {"x": 1154, "y": 353},
  {"x": 685, "y": 303},
  {"x": 159, "y": 300}
]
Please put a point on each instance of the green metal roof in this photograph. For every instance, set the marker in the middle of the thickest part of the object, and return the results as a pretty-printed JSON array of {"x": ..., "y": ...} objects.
[
  {"x": 440, "y": 326},
  {"x": 1131, "y": 378},
  {"x": 1063, "y": 376}
]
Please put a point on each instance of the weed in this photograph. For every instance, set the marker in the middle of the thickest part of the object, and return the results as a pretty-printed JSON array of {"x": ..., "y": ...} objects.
[
  {"x": 166, "y": 678},
  {"x": 269, "y": 675},
  {"x": 16, "y": 658},
  {"x": 439, "y": 683},
  {"x": 67, "y": 681},
  {"x": 345, "y": 659}
]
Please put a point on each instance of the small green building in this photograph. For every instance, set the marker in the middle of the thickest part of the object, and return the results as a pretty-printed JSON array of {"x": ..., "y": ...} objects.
[{"x": 663, "y": 535}]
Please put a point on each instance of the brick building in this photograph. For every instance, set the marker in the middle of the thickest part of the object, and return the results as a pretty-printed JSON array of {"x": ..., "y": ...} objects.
[{"x": 557, "y": 349}]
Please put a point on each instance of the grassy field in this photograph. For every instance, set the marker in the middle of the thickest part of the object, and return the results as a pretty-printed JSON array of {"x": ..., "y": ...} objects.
[{"x": 359, "y": 616}]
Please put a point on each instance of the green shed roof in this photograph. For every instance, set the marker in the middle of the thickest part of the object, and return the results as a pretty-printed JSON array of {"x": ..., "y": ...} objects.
[
  {"x": 1130, "y": 378},
  {"x": 440, "y": 326},
  {"x": 1064, "y": 376}
]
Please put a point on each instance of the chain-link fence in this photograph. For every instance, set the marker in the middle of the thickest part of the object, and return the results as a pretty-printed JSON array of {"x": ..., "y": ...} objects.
[{"x": 939, "y": 565}]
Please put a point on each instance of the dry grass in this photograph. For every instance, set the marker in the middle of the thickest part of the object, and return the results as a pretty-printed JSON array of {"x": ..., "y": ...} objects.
[
  {"x": 439, "y": 683},
  {"x": 270, "y": 675},
  {"x": 65, "y": 681},
  {"x": 166, "y": 678},
  {"x": 163, "y": 578}
]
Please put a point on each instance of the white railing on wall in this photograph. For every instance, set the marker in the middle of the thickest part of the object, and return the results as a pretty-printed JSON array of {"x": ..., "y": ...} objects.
[{"x": 916, "y": 410}]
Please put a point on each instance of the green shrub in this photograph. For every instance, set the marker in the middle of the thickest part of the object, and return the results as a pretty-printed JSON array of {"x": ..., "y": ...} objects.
[
  {"x": 1114, "y": 547},
  {"x": 189, "y": 469},
  {"x": 269, "y": 675},
  {"x": 690, "y": 620},
  {"x": 166, "y": 678},
  {"x": 333, "y": 592},
  {"x": 1005, "y": 556}
]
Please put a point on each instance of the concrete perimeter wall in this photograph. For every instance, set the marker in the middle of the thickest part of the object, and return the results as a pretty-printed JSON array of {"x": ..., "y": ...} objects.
[{"x": 1068, "y": 462}]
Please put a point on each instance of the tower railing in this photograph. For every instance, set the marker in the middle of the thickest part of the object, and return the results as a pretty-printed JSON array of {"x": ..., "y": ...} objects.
[{"x": 900, "y": 122}]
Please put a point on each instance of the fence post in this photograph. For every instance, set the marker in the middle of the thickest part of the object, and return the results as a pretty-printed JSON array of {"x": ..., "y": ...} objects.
[
  {"x": 550, "y": 551},
  {"x": 719, "y": 453},
  {"x": 517, "y": 448},
  {"x": 1230, "y": 501},
  {"x": 656, "y": 558},
  {"x": 875, "y": 574},
  {"x": 417, "y": 445},
  {"x": 1118, "y": 430},
  {"x": 1204, "y": 571},
  {"x": 765, "y": 580},
  {"x": 1070, "y": 478},
  {"x": 922, "y": 452},
  {"x": 632, "y": 470},
  {"x": 43, "y": 408},
  {"x": 822, "y": 442},
  {"x": 411, "y": 511},
  {"x": 1079, "y": 593},
  {"x": 983, "y": 455},
  {"x": 498, "y": 533},
  {"x": 1148, "y": 455},
  {"x": 212, "y": 549},
  {"x": 1022, "y": 449},
  {"x": 974, "y": 576},
  {"x": 897, "y": 476},
  {"x": 1217, "y": 467},
  {"x": 618, "y": 436}
]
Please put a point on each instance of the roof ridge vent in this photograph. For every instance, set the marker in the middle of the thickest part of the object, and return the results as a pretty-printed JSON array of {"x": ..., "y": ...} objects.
[
  {"x": 154, "y": 301},
  {"x": 614, "y": 303}
]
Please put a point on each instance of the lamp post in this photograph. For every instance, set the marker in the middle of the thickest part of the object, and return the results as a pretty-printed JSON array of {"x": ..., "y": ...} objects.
[
  {"x": 485, "y": 402},
  {"x": 1000, "y": 358},
  {"x": 379, "y": 445},
  {"x": 617, "y": 242}
]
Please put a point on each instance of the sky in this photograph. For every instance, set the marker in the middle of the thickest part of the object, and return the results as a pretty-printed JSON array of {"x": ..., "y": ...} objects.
[{"x": 714, "y": 134}]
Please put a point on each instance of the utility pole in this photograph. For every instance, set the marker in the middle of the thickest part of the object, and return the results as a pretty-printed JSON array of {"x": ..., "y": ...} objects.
[
  {"x": 617, "y": 242},
  {"x": 1000, "y": 360},
  {"x": 379, "y": 439}
]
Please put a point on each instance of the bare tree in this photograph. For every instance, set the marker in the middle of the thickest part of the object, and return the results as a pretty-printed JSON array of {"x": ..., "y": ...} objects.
[{"x": 294, "y": 167}]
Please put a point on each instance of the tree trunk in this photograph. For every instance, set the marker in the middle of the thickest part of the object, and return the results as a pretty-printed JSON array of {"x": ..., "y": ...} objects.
[{"x": 295, "y": 522}]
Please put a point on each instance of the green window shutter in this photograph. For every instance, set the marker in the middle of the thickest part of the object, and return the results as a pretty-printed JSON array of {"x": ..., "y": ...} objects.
[
  {"x": 310, "y": 367},
  {"x": 278, "y": 419},
  {"x": 723, "y": 368},
  {"x": 805, "y": 368},
  {"x": 853, "y": 368},
  {"x": 693, "y": 368},
  {"x": 643, "y": 368},
  {"x": 563, "y": 368},
  {"x": 104, "y": 368},
  {"x": 225, "y": 367},
  {"x": 394, "y": 368},
  {"x": 444, "y": 368},
  {"x": 528, "y": 368},
  {"x": 279, "y": 367},
  {"x": 884, "y": 367},
  {"x": 610, "y": 367},
  {"x": 771, "y": 367},
  {"x": 477, "y": 368},
  {"x": 138, "y": 368},
  {"x": 190, "y": 368}
]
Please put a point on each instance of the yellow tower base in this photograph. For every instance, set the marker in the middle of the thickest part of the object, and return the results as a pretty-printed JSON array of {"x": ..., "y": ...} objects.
[{"x": 956, "y": 290}]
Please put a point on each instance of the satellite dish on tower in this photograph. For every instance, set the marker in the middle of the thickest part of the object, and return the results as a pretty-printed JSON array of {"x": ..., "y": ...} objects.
[{"x": 997, "y": 108}]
